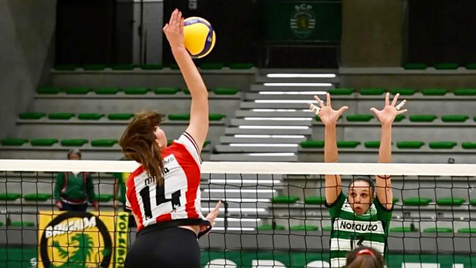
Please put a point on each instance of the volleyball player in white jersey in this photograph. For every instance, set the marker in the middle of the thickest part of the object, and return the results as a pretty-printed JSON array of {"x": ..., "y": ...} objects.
[{"x": 164, "y": 192}]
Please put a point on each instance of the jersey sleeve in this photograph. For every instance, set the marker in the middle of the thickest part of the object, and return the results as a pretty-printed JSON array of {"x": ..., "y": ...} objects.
[
  {"x": 382, "y": 212},
  {"x": 335, "y": 207},
  {"x": 128, "y": 204},
  {"x": 189, "y": 142}
]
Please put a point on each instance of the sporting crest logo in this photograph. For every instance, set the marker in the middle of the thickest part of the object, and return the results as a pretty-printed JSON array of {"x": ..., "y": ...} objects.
[{"x": 303, "y": 20}]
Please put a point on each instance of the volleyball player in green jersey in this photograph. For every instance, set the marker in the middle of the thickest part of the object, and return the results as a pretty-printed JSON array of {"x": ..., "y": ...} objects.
[{"x": 362, "y": 217}]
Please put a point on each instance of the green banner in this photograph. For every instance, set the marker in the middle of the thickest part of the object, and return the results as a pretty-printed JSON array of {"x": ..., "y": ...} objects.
[
  {"x": 278, "y": 259},
  {"x": 303, "y": 20},
  {"x": 26, "y": 258}
]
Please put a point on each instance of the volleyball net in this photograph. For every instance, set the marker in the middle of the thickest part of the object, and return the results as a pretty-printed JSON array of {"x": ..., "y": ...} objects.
[{"x": 273, "y": 215}]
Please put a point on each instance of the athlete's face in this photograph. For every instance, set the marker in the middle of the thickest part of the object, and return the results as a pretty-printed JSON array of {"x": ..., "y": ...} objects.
[
  {"x": 74, "y": 156},
  {"x": 360, "y": 196},
  {"x": 160, "y": 137}
]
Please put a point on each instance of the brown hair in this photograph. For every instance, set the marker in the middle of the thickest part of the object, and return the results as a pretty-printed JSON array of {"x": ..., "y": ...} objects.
[
  {"x": 364, "y": 257},
  {"x": 138, "y": 143}
]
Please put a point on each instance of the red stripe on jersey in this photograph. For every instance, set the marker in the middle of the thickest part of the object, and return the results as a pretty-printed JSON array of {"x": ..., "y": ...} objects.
[
  {"x": 132, "y": 196},
  {"x": 192, "y": 171},
  {"x": 165, "y": 217}
]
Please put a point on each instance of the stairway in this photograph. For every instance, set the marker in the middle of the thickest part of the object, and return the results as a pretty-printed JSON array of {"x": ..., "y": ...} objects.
[{"x": 274, "y": 117}]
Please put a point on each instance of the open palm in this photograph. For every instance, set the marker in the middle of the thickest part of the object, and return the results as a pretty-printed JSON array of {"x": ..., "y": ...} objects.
[
  {"x": 328, "y": 115},
  {"x": 390, "y": 111}
]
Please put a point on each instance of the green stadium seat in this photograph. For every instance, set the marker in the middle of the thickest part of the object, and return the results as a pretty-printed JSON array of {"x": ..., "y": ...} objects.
[
  {"x": 416, "y": 201},
  {"x": 48, "y": 90},
  {"x": 37, "y": 197},
  {"x": 467, "y": 231},
  {"x": 465, "y": 92},
  {"x": 269, "y": 227},
  {"x": 405, "y": 229},
  {"x": 442, "y": 144},
  {"x": 74, "y": 142},
  {"x": 348, "y": 144},
  {"x": 216, "y": 117},
  {"x": 107, "y": 90},
  {"x": 120, "y": 116},
  {"x": 471, "y": 66},
  {"x": 403, "y": 91},
  {"x": 43, "y": 142},
  {"x": 422, "y": 118},
  {"x": 22, "y": 224},
  {"x": 90, "y": 116},
  {"x": 123, "y": 67},
  {"x": 415, "y": 66},
  {"x": 341, "y": 91},
  {"x": 359, "y": 117},
  {"x": 399, "y": 118},
  {"x": 449, "y": 201},
  {"x": 136, "y": 91},
  {"x": 372, "y": 91},
  {"x": 1, "y": 224},
  {"x": 446, "y": 66},
  {"x": 77, "y": 90},
  {"x": 211, "y": 66},
  {"x": 9, "y": 196},
  {"x": 395, "y": 200},
  {"x": 174, "y": 66},
  {"x": 13, "y": 142},
  {"x": 372, "y": 144},
  {"x": 66, "y": 67},
  {"x": 103, "y": 143},
  {"x": 434, "y": 92},
  {"x": 152, "y": 67},
  {"x": 438, "y": 230},
  {"x": 304, "y": 228},
  {"x": 315, "y": 200},
  {"x": 166, "y": 90},
  {"x": 61, "y": 116},
  {"x": 327, "y": 228},
  {"x": 94, "y": 67},
  {"x": 206, "y": 143},
  {"x": 410, "y": 144},
  {"x": 241, "y": 66},
  {"x": 178, "y": 117},
  {"x": 312, "y": 144},
  {"x": 457, "y": 118},
  {"x": 285, "y": 199},
  {"x": 225, "y": 91},
  {"x": 473, "y": 202},
  {"x": 104, "y": 197},
  {"x": 469, "y": 145},
  {"x": 32, "y": 115}
]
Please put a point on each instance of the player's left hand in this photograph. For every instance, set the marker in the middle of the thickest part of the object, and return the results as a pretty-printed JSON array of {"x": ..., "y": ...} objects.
[
  {"x": 173, "y": 30},
  {"x": 213, "y": 214},
  {"x": 387, "y": 115}
]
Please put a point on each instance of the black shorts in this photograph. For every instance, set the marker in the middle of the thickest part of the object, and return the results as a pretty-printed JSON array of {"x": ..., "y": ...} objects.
[{"x": 172, "y": 247}]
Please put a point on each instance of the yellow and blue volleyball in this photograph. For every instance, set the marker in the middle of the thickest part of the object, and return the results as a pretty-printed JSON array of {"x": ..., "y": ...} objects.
[{"x": 199, "y": 37}]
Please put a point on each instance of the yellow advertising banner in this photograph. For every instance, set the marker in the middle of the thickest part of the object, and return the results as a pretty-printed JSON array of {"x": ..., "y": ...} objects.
[{"x": 82, "y": 239}]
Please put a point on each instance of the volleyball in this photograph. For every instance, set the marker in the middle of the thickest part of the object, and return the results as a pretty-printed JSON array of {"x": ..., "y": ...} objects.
[{"x": 199, "y": 37}]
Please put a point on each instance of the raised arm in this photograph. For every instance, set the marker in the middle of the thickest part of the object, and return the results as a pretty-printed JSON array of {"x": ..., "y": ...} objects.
[
  {"x": 329, "y": 118},
  {"x": 198, "y": 127},
  {"x": 386, "y": 116}
]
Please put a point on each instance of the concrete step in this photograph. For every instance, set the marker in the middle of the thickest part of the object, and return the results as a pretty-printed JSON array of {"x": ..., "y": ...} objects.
[
  {"x": 287, "y": 96},
  {"x": 263, "y": 121},
  {"x": 233, "y": 139},
  {"x": 264, "y": 131},
  {"x": 262, "y": 87},
  {"x": 301, "y": 105},
  {"x": 260, "y": 149},
  {"x": 264, "y": 79},
  {"x": 254, "y": 157},
  {"x": 275, "y": 113}
]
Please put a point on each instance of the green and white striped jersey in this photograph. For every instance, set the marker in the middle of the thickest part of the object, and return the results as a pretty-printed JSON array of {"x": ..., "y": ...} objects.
[{"x": 350, "y": 230}]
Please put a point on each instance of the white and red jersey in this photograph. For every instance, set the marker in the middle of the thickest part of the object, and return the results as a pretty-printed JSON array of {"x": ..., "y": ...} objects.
[{"x": 178, "y": 199}]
